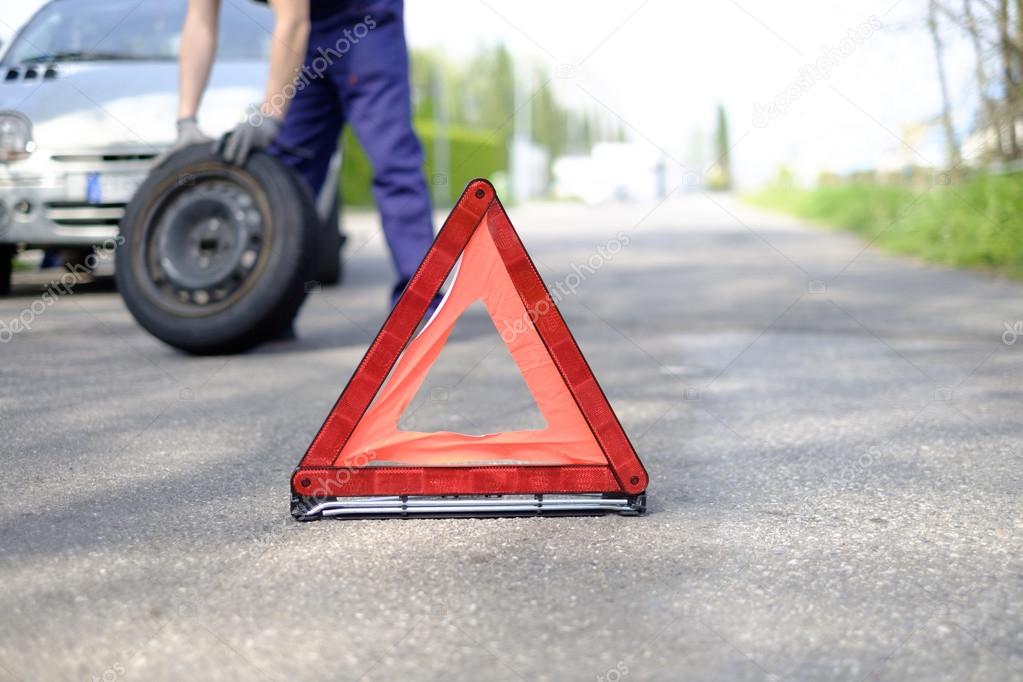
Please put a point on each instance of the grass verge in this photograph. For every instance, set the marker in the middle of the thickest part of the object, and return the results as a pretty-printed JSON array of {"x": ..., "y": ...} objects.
[{"x": 975, "y": 224}]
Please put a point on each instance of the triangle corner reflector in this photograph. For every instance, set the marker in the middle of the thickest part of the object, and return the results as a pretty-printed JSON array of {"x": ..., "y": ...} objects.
[{"x": 362, "y": 464}]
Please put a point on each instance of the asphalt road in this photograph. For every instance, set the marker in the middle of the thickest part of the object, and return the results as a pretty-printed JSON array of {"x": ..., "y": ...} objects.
[{"x": 833, "y": 437}]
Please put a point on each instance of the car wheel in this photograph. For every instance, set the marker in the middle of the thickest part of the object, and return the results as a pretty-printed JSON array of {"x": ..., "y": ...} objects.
[
  {"x": 329, "y": 270},
  {"x": 7, "y": 254},
  {"x": 213, "y": 257}
]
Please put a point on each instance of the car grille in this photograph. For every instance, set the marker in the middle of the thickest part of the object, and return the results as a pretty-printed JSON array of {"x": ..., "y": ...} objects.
[
  {"x": 103, "y": 158},
  {"x": 83, "y": 214}
]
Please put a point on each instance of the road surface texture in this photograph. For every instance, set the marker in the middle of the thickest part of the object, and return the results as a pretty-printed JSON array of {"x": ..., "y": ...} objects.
[{"x": 833, "y": 437}]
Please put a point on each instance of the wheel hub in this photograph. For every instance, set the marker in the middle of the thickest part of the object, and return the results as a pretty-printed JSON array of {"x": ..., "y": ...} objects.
[{"x": 205, "y": 243}]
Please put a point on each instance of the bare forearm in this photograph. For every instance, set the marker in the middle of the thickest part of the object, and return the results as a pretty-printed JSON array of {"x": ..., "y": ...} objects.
[
  {"x": 287, "y": 52},
  {"x": 195, "y": 54}
]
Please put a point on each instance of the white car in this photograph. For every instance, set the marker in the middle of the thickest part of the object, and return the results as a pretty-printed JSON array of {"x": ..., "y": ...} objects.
[{"x": 88, "y": 98}]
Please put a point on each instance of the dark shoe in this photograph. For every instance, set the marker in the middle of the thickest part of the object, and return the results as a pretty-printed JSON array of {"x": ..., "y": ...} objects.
[
  {"x": 285, "y": 334},
  {"x": 397, "y": 290}
]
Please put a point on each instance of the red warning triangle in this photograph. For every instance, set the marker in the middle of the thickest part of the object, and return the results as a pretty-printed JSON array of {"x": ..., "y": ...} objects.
[{"x": 360, "y": 451}]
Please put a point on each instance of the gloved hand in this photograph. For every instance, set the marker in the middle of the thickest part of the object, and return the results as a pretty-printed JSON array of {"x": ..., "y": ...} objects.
[
  {"x": 247, "y": 137},
  {"x": 188, "y": 134}
]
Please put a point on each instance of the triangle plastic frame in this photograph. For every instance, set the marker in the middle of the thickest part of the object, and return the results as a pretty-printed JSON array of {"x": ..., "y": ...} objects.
[{"x": 320, "y": 487}]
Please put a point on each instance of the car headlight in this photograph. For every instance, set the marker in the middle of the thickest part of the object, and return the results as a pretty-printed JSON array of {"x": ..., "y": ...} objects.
[{"x": 15, "y": 137}]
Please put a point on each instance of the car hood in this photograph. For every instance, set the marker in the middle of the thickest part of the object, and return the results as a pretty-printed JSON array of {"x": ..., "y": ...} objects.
[{"x": 104, "y": 105}]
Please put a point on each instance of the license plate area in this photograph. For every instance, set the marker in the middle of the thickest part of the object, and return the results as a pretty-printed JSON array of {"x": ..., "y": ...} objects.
[{"x": 101, "y": 187}]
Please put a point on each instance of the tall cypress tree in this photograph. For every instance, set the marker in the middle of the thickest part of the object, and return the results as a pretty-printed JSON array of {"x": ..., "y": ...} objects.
[{"x": 722, "y": 148}]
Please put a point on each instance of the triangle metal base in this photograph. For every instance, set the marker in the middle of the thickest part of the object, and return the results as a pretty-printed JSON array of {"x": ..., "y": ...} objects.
[{"x": 466, "y": 506}]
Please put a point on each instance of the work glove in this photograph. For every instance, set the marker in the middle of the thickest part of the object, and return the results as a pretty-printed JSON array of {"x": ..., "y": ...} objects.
[
  {"x": 253, "y": 134},
  {"x": 188, "y": 134}
]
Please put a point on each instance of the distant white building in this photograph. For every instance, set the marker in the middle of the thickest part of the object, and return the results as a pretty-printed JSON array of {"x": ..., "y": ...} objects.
[
  {"x": 528, "y": 170},
  {"x": 622, "y": 171},
  {"x": 981, "y": 146}
]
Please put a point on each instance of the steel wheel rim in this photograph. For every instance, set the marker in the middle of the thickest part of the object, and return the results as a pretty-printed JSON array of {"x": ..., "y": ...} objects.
[{"x": 205, "y": 243}]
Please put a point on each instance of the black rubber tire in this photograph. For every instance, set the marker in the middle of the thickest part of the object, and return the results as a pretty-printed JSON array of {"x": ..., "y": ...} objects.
[
  {"x": 269, "y": 296},
  {"x": 329, "y": 271},
  {"x": 7, "y": 253}
]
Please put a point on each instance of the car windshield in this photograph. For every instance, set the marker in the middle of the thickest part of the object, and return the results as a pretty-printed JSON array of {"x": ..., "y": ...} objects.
[{"x": 93, "y": 30}]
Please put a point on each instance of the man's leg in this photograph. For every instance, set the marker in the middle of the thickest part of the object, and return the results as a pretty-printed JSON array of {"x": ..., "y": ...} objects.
[
  {"x": 313, "y": 124},
  {"x": 375, "y": 92}
]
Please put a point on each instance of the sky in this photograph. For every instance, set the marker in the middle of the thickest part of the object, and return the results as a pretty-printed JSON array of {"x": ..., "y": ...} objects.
[{"x": 661, "y": 66}]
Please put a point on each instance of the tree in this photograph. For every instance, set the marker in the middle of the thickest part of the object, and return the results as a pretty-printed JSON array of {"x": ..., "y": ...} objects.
[
  {"x": 722, "y": 150},
  {"x": 951, "y": 142},
  {"x": 991, "y": 118},
  {"x": 995, "y": 31},
  {"x": 548, "y": 120},
  {"x": 491, "y": 85},
  {"x": 1010, "y": 82}
]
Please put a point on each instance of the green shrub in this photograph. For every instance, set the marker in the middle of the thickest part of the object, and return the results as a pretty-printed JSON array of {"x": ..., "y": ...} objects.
[
  {"x": 473, "y": 154},
  {"x": 978, "y": 223}
]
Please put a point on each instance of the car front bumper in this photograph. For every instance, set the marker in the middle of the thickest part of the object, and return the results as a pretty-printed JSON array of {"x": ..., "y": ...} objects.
[{"x": 68, "y": 200}]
